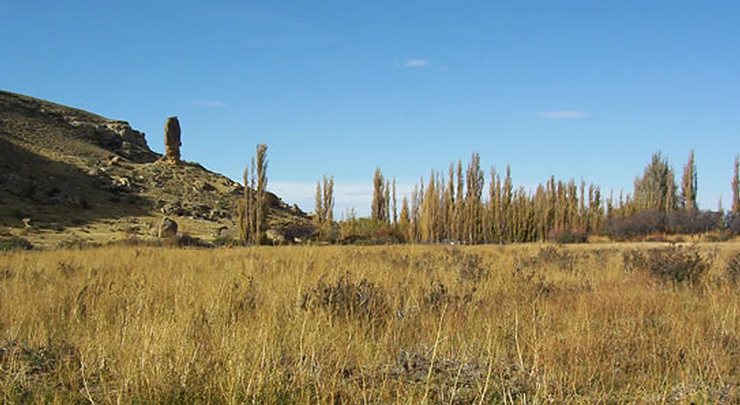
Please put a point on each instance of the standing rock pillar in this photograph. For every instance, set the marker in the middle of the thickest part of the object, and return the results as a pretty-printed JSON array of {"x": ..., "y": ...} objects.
[{"x": 172, "y": 140}]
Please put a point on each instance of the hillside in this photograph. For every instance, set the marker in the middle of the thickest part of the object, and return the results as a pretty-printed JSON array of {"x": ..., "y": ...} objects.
[{"x": 68, "y": 176}]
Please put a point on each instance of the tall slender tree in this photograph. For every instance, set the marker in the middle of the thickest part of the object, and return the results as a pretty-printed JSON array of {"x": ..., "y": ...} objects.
[
  {"x": 689, "y": 184},
  {"x": 473, "y": 200},
  {"x": 328, "y": 200},
  {"x": 393, "y": 201},
  {"x": 252, "y": 210},
  {"x": 736, "y": 187},
  {"x": 319, "y": 206},
  {"x": 379, "y": 209},
  {"x": 261, "y": 196}
]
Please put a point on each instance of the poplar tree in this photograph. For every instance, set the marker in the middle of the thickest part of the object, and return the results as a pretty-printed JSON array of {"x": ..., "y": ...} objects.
[
  {"x": 736, "y": 187},
  {"x": 393, "y": 202},
  {"x": 431, "y": 224},
  {"x": 473, "y": 204},
  {"x": 459, "y": 205},
  {"x": 261, "y": 193},
  {"x": 319, "y": 206},
  {"x": 404, "y": 220},
  {"x": 245, "y": 206},
  {"x": 689, "y": 184},
  {"x": 252, "y": 209},
  {"x": 379, "y": 204},
  {"x": 506, "y": 200},
  {"x": 328, "y": 200}
]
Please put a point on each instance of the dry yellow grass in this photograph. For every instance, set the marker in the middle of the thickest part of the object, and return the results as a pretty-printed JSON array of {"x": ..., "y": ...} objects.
[{"x": 406, "y": 324}]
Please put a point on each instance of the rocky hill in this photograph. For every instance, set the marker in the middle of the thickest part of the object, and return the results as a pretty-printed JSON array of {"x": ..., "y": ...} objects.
[{"x": 68, "y": 176}]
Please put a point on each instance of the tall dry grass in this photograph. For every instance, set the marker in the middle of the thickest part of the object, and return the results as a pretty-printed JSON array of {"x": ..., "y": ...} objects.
[{"x": 411, "y": 324}]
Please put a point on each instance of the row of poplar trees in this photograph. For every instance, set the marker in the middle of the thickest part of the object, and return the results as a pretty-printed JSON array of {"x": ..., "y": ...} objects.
[
  {"x": 252, "y": 207},
  {"x": 454, "y": 207}
]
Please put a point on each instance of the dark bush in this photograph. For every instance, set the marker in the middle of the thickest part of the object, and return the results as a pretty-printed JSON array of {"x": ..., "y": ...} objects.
[
  {"x": 14, "y": 243},
  {"x": 349, "y": 299},
  {"x": 227, "y": 240},
  {"x": 733, "y": 268},
  {"x": 440, "y": 297},
  {"x": 185, "y": 240},
  {"x": 656, "y": 222},
  {"x": 634, "y": 259},
  {"x": 640, "y": 224},
  {"x": 672, "y": 264},
  {"x": 366, "y": 231},
  {"x": 550, "y": 256},
  {"x": 471, "y": 268},
  {"x": 692, "y": 222},
  {"x": 564, "y": 236},
  {"x": 734, "y": 224}
]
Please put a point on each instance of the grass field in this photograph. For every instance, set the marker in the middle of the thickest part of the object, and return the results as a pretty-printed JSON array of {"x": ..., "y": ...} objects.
[{"x": 400, "y": 324}]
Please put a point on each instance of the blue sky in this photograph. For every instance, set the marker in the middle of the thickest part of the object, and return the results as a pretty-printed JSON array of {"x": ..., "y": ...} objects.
[{"x": 575, "y": 89}]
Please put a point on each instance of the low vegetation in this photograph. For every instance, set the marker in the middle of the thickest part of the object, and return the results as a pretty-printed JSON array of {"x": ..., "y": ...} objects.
[{"x": 396, "y": 324}]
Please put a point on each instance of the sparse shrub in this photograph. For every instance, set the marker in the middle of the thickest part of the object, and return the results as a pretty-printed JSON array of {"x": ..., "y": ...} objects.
[
  {"x": 68, "y": 269},
  {"x": 673, "y": 264},
  {"x": 242, "y": 298},
  {"x": 362, "y": 300},
  {"x": 74, "y": 243},
  {"x": 734, "y": 224},
  {"x": 546, "y": 257},
  {"x": 633, "y": 260},
  {"x": 718, "y": 236},
  {"x": 656, "y": 237},
  {"x": 733, "y": 268},
  {"x": 227, "y": 240},
  {"x": 471, "y": 268},
  {"x": 440, "y": 297},
  {"x": 655, "y": 224},
  {"x": 14, "y": 243},
  {"x": 185, "y": 240},
  {"x": 365, "y": 231},
  {"x": 640, "y": 224},
  {"x": 693, "y": 222},
  {"x": 565, "y": 236}
]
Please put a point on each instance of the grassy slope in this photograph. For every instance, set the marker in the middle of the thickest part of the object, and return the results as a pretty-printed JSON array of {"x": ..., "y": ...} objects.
[
  {"x": 57, "y": 175},
  {"x": 407, "y": 325}
]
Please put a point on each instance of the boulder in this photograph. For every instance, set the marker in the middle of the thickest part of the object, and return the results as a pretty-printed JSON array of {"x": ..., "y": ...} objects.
[{"x": 167, "y": 228}]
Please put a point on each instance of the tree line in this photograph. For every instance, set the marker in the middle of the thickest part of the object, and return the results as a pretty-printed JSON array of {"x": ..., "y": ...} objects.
[
  {"x": 457, "y": 206},
  {"x": 468, "y": 205}
]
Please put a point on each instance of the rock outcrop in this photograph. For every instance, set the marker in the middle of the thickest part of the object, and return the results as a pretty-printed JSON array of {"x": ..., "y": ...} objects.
[
  {"x": 78, "y": 173},
  {"x": 172, "y": 141},
  {"x": 167, "y": 228}
]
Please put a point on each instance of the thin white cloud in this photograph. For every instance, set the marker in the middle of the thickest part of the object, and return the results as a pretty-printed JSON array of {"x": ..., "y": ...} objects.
[
  {"x": 415, "y": 63},
  {"x": 208, "y": 104},
  {"x": 564, "y": 115}
]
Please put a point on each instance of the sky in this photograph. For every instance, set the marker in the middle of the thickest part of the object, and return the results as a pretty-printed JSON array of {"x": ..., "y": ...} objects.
[{"x": 575, "y": 89}]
